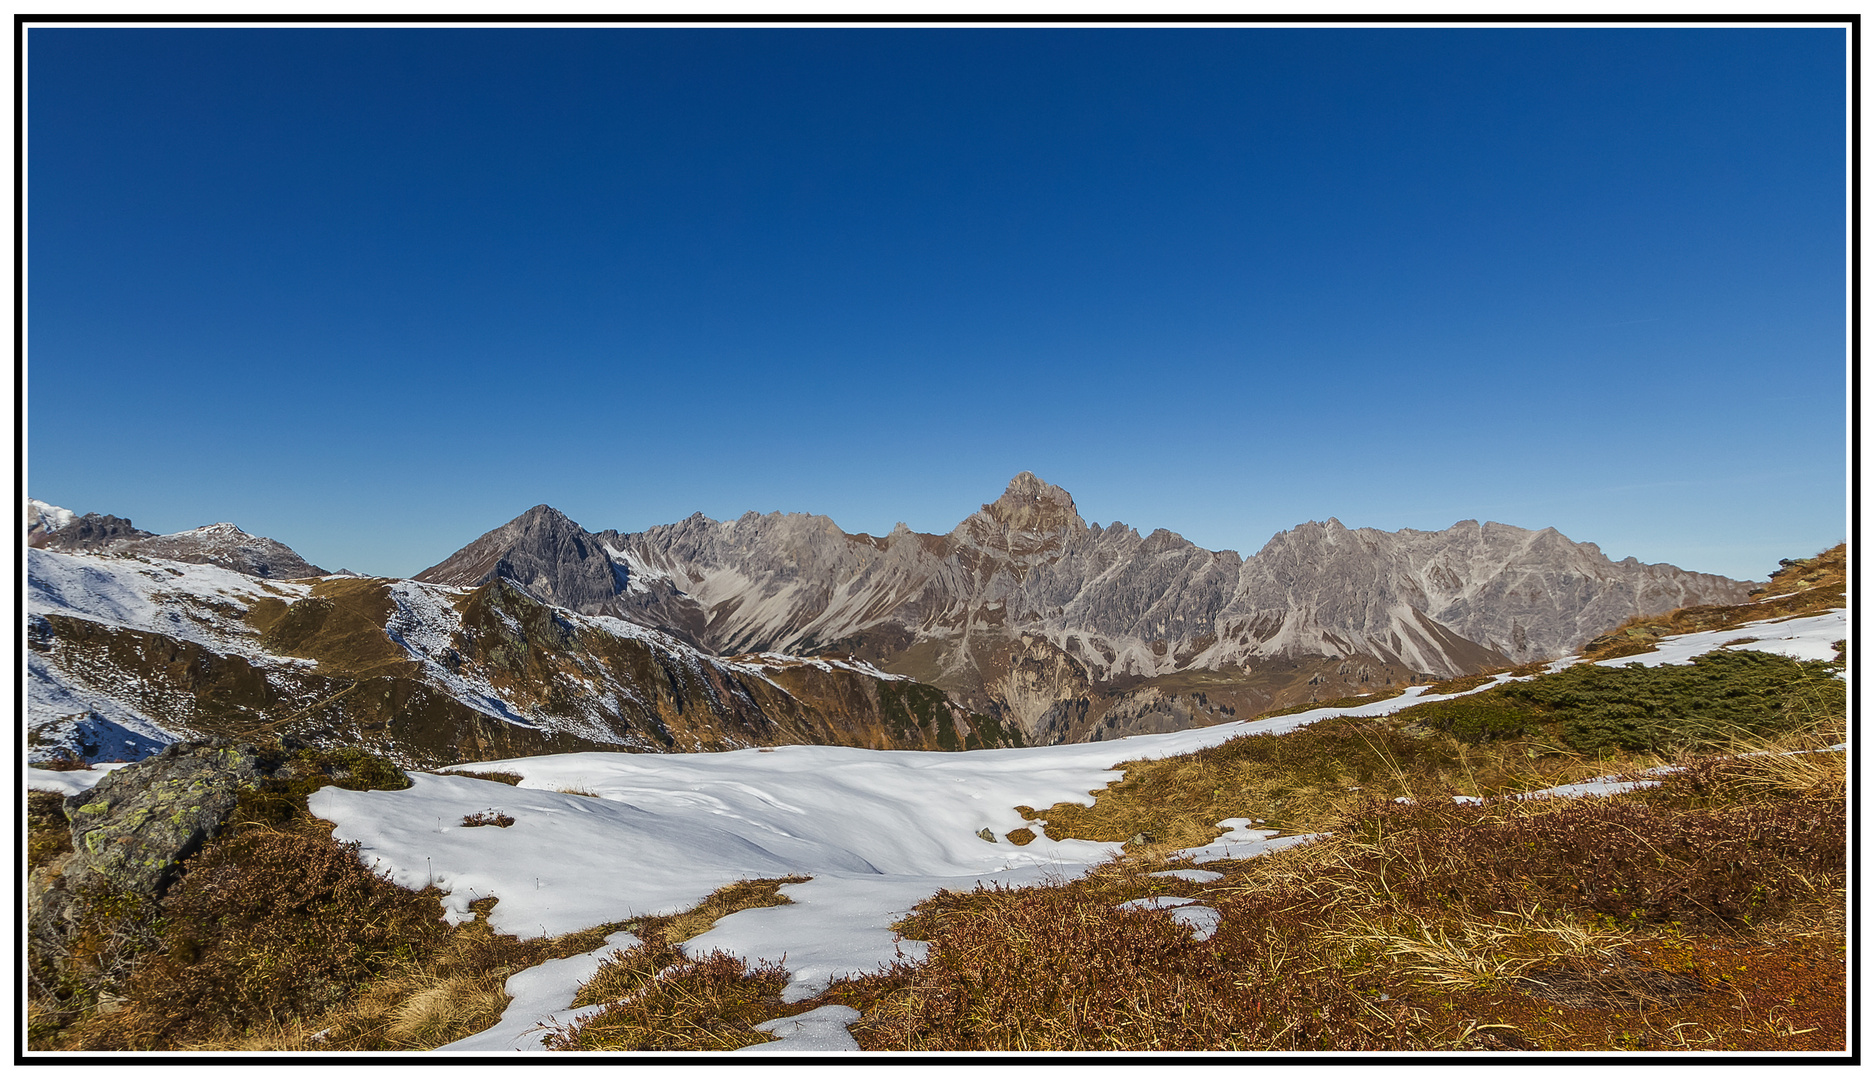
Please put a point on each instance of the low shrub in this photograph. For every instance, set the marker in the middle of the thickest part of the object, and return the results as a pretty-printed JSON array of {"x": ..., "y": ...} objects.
[
  {"x": 268, "y": 926},
  {"x": 711, "y": 1003},
  {"x": 1046, "y": 969},
  {"x": 1719, "y": 697}
]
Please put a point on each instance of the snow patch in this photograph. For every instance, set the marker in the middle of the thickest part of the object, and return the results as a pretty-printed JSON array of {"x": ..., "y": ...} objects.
[
  {"x": 817, "y": 1031},
  {"x": 69, "y": 782},
  {"x": 1198, "y": 877},
  {"x": 543, "y": 999},
  {"x": 1201, "y": 920},
  {"x": 1243, "y": 841},
  {"x": 1809, "y": 637}
]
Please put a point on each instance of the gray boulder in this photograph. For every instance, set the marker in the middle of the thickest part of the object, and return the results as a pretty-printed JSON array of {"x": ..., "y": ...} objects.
[
  {"x": 136, "y": 826},
  {"x": 130, "y": 835}
]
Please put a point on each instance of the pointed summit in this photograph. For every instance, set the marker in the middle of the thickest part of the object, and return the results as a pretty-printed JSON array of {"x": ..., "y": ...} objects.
[
  {"x": 1031, "y": 504},
  {"x": 543, "y": 551}
]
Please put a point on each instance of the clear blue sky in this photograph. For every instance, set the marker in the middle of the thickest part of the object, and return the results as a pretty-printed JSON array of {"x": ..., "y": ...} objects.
[{"x": 374, "y": 292}]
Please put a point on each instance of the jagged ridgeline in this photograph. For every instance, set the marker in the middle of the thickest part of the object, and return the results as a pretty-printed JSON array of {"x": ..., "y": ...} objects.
[
  {"x": 1069, "y": 631},
  {"x": 1024, "y": 624}
]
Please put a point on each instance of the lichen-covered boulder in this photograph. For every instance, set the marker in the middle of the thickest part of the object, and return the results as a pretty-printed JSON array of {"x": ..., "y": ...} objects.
[
  {"x": 137, "y": 825},
  {"x": 130, "y": 834}
]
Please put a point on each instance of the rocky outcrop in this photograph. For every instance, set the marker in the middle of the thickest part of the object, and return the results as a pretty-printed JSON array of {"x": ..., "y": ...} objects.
[
  {"x": 132, "y": 831},
  {"x": 130, "y": 835},
  {"x": 89, "y": 533}
]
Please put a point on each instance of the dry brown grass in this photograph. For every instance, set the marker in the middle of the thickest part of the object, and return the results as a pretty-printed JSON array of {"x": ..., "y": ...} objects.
[
  {"x": 508, "y": 778},
  {"x": 1706, "y": 913},
  {"x": 659, "y": 998},
  {"x": 710, "y": 1003},
  {"x": 48, "y": 836},
  {"x": 1306, "y": 779}
]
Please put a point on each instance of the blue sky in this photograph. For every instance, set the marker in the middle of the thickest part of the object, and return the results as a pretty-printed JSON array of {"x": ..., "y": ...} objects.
[{"x": 374, "y": 292}]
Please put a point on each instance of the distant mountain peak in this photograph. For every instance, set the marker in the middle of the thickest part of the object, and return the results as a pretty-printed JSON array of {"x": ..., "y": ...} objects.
[
  {"x": 226, "y": 545},
  {"x": 1032, "y": 504},
  {"x": 221, "y": 544},
  {"x": 543, "y": 551}
]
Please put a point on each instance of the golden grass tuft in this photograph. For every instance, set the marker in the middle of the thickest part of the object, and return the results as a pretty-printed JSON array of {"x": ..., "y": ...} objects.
[
  {"x": 509, "y": 778},
  {"x": 1304, "y": 780}
]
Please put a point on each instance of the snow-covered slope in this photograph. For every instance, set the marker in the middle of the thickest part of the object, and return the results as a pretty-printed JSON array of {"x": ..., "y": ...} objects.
[
  {"x": 877, "y": 830},
  {"x": 1800, "y": 637}
]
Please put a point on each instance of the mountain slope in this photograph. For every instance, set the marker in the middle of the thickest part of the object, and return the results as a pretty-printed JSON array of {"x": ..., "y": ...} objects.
[{"x": 128, "y": 654}]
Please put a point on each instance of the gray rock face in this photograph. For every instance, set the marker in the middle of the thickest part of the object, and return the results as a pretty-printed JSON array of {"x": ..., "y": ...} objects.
[
  {"x": 545, "y": 553},
  {"x": 1120, "y": 604},
  {"x": 91, "y": 532},
  {"x": 1527, "y": 595},
  {"x": 130, "y": 835},
  {"x": 137, "y": 825}
]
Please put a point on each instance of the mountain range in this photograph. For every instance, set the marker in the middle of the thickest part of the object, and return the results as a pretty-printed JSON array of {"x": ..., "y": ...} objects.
[
  {"x": 1024, "y": 624},
  {"x": 1025, "y": 608}
]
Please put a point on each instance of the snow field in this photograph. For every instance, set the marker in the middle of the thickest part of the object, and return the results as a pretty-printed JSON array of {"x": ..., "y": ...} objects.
[{"x": 875, "y": 831}]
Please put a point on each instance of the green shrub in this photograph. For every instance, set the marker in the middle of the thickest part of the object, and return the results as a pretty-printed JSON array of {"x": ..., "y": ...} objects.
[
  {"x": 1719, "y": 696},
  {"x": 1474, "y": 719}
]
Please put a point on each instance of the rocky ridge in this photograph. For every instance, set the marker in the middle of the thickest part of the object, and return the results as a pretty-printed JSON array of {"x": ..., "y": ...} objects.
[
  {"x": 1024, "y": 606},
  {"x": 54, "y": 528}
]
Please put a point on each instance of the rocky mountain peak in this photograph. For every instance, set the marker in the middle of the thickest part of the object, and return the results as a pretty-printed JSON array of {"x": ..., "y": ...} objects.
[
  {"x": 543, "y": 551},
  {"x": 1031, "y": 504},
  {"x": 43, "y": 519},
  {"x": 88, "y": 533},
  {"x": 226, "y": 545}
]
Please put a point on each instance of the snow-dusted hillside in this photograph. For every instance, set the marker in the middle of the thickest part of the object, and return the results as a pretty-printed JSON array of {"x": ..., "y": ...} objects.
[{"x": 130, "y": 653}]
